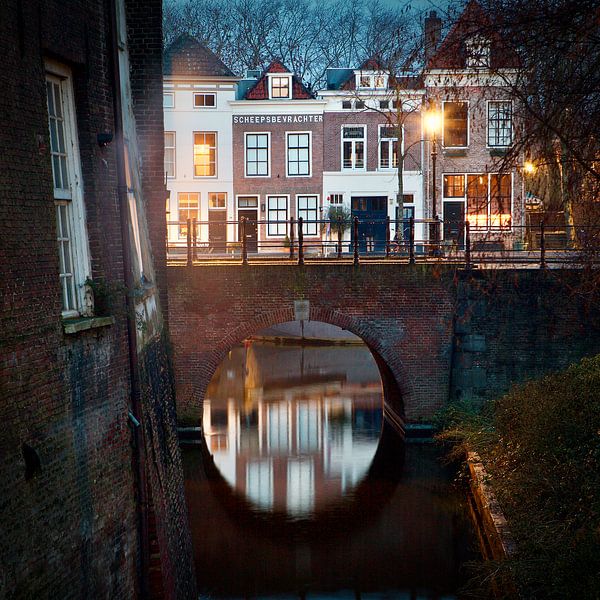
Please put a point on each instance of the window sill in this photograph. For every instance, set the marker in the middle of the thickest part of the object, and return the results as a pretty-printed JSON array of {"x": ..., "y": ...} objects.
[
  {"x": 71, "y": 326},
  {"x": 499, "y": 151}
]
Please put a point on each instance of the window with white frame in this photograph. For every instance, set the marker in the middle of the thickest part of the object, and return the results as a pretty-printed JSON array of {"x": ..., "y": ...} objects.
[
  {"x": 217, "y": 200},
  {"x": 347, "y": 104},
  {"x": 456, "y": 124},
  {"x": 388, "y": 147},
  {"x": 380, "y": 82},
  {"x": 499, "y": 124},
  {"x": 257, "y": 155},
  {"x": 298, "y": 154},
  {"x": 168, "y": 100},
  {"x": 205, "y": 100},
  {"x": 280, "y": 87},
  {"x": 259, "y": 482},
  {"x": 336, "y": 199},
  {"x": 308, "y": 209},
  {"x": 478, "y": 52},
  {"x": 205, "y": 154},
  {"x": 74, "y": 262},
  {"x": 364, "y": 81},
  {"x": 170, "y": 153},
  {"x": 188, "y": 207},
  {"x": 353, "y": 147},
  {"x": 277, "y": 215}
]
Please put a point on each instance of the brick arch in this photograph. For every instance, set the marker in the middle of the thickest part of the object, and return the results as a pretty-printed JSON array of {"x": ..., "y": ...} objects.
[{"x": 394, "y": 379}]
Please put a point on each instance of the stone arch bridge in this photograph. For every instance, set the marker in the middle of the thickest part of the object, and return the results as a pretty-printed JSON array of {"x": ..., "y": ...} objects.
[{"x": 436, "y": 332}]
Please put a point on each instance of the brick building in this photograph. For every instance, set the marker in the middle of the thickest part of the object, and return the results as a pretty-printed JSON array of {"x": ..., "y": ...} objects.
[{"x": 88, "y": 450}]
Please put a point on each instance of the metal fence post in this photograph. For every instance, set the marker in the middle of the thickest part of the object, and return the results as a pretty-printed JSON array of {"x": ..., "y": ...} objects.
[
  {"x": 356, "y": 259},
  {"x": 467, "y": 245},
  {"x": 244, "y": 241},
  {"x": 387, "y": 236},
  {"x": 339, "y": 240},
  {"x": 300, "y": 242},
  {"x": 194, "y": 239},
  {"x": 411, "y": 247},
  {"x": 542, "y": 245},
  {"x": 189, "y": 242},
  {"x": 291, "y": 238}
]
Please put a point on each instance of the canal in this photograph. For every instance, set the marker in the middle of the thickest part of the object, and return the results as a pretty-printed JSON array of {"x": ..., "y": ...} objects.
[{"x": 300, "y": 489}]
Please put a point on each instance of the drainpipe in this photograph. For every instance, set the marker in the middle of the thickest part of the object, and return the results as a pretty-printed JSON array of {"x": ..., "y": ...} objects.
[{"x": 139, "y": 459}]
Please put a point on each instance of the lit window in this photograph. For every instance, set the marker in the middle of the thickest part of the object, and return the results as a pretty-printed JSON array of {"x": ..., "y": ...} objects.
[
  {"x": 364, "y": 81},
  {"x": 257, "y": 155},
  {"x": 388, "y": 148},
  {"x": 205, "y": 100},
  {"x": 454, "y": 186},
  {"x": 298, "y": 154},
  {"x": 277, "y": 215},
  {"x": 308, "y": 209},
  {"x": 205, "y": 154},
  {"x": 456, "y": 119},
  {"x": 477, "y": 200},
  {"x": 280, "y": 87},
  {"x": 170, "y": 153},
  {"x": 499, "y": 124},
  {"x": 217, "y": 199},
  {"x": 380, "y": 81},
  {"x": 478, "y": 52},
  {"x": 74, "y": 264},
  {"x": 353, "y": 147},
  {"x": 168, "y": 100},
  {"x": 500, "y": 200},
  {"x": 188, "y": 205}
]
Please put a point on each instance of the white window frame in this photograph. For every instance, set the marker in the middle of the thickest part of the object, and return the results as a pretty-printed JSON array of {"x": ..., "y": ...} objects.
[
  {"x": 224, "y": 207},
  {"x": 268, "y": 134},
  {"x": 390, "y": 144},
  {"x": 287, "y": 216},
  {"x": 181, "y": 235},
  {"x": 312, "y": 226},
  {"x": 287, "y": 153},
  {"x": 444, "y": 102},
  {"x": 194, "y": 133},
  {"x": 172, "y": 95},
  {"x": 332, "y": 194},
  {"x": 174, "y": 148},
  {"x": 213, "y": 94},
  {"x": 478, "y": 52},
  {"x": 289, "y": 86},
  {"x": 487, "y": 131},
  {"x": 73, "y": 197},
  {"x": 354, "y": 140}
]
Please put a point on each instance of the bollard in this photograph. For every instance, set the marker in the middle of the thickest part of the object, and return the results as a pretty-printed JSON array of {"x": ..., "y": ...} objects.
[
  {"x": 356, "y": 258},
  {"x": 300, "y": 242},
  {"x": 411, "y": 247},
  {"x": 291, "y": 238},
  {"x": 244, "y": 242},
  {"x": 542, "y": 245},
  {"x": 387, "y": 236},
  {"x": 189, "y": 242},
  {"x": 339, "y": 242},
  {"x": 467, "y": 245}
]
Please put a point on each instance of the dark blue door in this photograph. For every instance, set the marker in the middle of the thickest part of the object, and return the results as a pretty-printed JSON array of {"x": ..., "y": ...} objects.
[{"x": 371, "y": 212}]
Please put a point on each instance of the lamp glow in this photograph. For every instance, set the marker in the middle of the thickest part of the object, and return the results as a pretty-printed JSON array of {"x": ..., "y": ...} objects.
[
  {"x": 433, "y": 121},
  {"x": 529, "y": 167}
]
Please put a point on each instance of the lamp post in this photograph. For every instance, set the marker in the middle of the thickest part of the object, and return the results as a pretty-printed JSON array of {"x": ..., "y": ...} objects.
[{"x": 433, "y": 122}]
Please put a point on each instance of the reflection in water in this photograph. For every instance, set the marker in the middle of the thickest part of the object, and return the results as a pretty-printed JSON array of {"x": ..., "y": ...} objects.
[{"x": 300, "y": 491}]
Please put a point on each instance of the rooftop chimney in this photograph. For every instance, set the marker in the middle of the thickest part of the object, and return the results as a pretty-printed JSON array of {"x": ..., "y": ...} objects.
[{"x": 432, "y": 34}]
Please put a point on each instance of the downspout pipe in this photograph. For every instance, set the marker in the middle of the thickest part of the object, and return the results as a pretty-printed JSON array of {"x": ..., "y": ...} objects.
[{"x": 139, "y": 458}]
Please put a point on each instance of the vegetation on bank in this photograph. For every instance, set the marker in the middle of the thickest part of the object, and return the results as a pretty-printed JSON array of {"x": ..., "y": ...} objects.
[{"x": 541, "y": 446}]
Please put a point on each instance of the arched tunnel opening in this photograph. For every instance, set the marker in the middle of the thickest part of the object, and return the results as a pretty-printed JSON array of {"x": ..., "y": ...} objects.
[{"x": 301, "y": 481}]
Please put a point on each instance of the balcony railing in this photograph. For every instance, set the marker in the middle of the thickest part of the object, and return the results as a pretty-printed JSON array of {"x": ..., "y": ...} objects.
[{"x": 405, "y": 241}]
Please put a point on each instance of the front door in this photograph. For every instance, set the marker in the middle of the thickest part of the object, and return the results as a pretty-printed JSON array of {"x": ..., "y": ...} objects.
[
  {"x": 454, "y": 219},
  {"x": 251, "y": 217},
  {"x": 217, "y": 230},
  {"x": 371, "y": 212}
]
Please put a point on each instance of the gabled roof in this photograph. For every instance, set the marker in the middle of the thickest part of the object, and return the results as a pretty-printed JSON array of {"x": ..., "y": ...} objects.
[
  {"x": 187, "y": 57},
  {"x": 260, "y": 90},
  {"x": 473, "y": 21}
]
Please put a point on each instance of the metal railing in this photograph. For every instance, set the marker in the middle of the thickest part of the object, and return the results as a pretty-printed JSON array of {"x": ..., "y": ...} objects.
[{"x": 354, "y": 240}]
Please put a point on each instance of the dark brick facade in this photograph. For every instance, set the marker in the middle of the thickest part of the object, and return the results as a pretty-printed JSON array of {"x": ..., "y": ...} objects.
[{"x": 68, "y": 502}]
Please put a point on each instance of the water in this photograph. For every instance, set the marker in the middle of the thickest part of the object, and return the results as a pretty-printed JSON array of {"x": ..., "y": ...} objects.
[{"x": 300, "y": 490}]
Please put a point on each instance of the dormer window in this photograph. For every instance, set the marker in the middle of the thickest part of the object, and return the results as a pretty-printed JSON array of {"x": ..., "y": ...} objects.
[
  {"x": 380, "y": 82},
  {"x": 478, "y": 52},
  {"x": 371, "y": 81},
  {"x": 280, "y": 86},
  {"x": 364, "y": 81}
]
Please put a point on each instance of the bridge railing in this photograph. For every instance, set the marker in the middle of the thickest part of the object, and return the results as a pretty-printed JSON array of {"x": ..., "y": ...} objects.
[{"x": 404, "y": 240}]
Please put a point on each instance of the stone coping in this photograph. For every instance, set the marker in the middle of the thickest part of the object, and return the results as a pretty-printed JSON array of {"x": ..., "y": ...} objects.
[{"x": 71, "y": 326}]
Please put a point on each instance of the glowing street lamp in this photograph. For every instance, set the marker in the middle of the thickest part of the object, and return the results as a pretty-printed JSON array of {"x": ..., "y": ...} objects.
[
  {"x": 529, "y": 167},
  {"x": 433, "y": 124}
]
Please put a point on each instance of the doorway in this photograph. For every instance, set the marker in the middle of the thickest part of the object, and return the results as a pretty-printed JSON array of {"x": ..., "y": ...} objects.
[{"x": 371, "y": 212}]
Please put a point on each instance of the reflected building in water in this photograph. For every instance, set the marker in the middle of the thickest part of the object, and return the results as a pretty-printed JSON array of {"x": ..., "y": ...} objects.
[{"x": 288, "y": 429}]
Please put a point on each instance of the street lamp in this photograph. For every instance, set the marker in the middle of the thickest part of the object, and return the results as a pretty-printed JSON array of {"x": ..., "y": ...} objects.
[{"x": 433, "y": 123}]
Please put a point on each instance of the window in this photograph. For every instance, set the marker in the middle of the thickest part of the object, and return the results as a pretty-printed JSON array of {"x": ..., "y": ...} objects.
[
  {"x": 298, "y": 154},
  {"x": 259, "y": 483},
  {"x": 217, "y": 200},
  {"x": 257, "y": 155},
  {"x": 396, "y": 104},
  {"x": 168, "y": 100},
  {"x": 359, "y": 104},
  {"x": 277, "y": 215},
  {"x": 364, "y": 81},
  {"x": 346, "y": 104},
  {"x": 170, "y": 153},
  {"x": 353, "y": 147},
  {"x": 380, "y": 81},
  {"x": 454, "y": 186},
  {"x": 204, "y": 100},
  {"x": 477, "y": 200},
  {"x": 456, "y": 119},
  {"x": 247, "y": 202},
  {"x": 336, "y": 199},
  {"x": 388, "y": 147},
  {"x": 500, "y": 200},
  {"x": 308, "y": 210},
  {"x": 384, "y": 104},
  {"x": 188, "y": 205},
  {"x": 205, "y": 154},
  {"x": 71, "y": 235},
  {"x": 499, "y": 124},
  {"x": 300, "y": 485},
  {"x": 280, "y": 87},
  {"x": 478, "y": 52}
]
